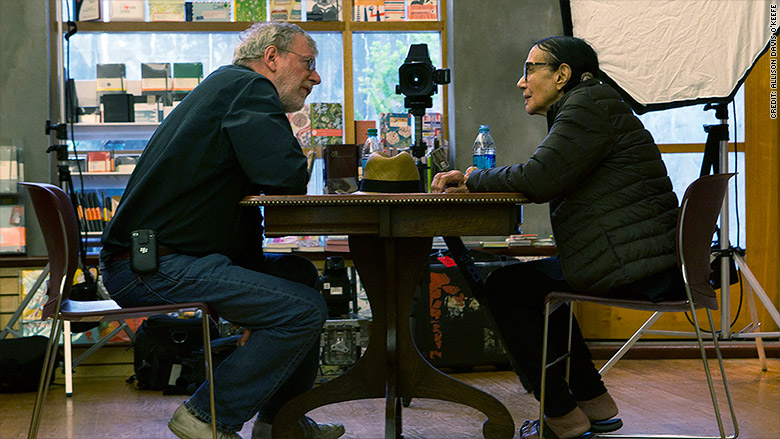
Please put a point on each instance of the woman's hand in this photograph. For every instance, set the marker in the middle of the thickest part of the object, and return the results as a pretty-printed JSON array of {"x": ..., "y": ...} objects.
[{"x": 451, "y": 182}]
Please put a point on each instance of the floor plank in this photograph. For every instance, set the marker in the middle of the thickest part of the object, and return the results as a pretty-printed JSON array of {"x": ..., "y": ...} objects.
[{"x": 659, "y": 396}]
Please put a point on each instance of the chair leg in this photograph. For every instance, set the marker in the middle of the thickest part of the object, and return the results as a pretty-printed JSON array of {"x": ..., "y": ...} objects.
[
  {"x": 629, "y": 343},
  {"x": 544, "y": 367},
  {"x": 209, "y": 370},
  {"x": 45, "y": 380},
  {"x": 718, "y": 354},
  {"x": 708, "y": 373},
  {"x": 568, "y": 343},
  {"x": 67, "y": 342}
]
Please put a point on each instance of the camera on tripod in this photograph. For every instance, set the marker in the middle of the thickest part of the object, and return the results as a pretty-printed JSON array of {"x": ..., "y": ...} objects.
[{"x": 418, "y": 79}]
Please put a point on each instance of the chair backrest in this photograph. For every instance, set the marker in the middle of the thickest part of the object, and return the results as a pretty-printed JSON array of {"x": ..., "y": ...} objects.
[
  {"x": 59, "y": 225},
  {"x": 696, "y": 223}
]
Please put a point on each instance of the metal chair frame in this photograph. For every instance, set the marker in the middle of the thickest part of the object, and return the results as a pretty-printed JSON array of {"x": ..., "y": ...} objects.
[
  {"x": 715, "y": 187},
  {"x": 59, "y": 224}
]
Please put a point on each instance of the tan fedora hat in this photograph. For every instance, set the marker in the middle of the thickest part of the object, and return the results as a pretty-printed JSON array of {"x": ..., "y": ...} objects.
[{"x": 385, "y": 174}]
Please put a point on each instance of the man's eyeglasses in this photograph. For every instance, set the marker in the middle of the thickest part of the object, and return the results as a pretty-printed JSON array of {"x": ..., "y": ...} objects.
[
  {"x": 526, "y": 68},
  {"x": 311, "y": 63}
]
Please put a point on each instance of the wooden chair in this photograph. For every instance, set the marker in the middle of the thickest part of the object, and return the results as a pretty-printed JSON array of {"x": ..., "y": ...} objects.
[
  {"x": 59, "y": 225},
  {"x": 696, "y": 223}
]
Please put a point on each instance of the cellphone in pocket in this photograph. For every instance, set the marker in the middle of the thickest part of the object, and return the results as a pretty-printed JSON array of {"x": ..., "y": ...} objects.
[{"x": 143, "y": 252}]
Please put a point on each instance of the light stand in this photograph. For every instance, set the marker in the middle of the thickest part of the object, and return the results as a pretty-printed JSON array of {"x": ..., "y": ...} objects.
[{"x": 728, "y": 252}]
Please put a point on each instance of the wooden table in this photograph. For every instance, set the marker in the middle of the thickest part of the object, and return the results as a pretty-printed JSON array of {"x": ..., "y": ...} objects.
[{"x": 390, "y": 239}]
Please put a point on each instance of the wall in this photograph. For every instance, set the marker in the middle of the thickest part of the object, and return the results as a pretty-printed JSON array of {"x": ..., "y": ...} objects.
[
  {"x": 488, "y": 43},
  {"x": 24, "y": 97}
]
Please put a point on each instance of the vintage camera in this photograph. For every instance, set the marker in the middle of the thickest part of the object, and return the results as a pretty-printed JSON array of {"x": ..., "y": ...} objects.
[
  {"x": 418, "y": 79},
  {"x": 336, "y": 287}
]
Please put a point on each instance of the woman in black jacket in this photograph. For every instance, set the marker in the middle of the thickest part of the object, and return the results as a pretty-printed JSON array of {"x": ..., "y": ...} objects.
[{"x": 613, "y": 215}]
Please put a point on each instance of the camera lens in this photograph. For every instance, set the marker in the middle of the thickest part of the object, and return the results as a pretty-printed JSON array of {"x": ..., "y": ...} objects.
[{"x": 417, "y": 80}]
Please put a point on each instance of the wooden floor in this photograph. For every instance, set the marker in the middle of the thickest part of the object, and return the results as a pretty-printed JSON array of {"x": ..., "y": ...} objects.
[{"x": 659, "y": 396}]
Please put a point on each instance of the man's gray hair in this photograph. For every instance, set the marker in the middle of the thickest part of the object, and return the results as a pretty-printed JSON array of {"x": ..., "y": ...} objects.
[{"x": 260, "y": 36}]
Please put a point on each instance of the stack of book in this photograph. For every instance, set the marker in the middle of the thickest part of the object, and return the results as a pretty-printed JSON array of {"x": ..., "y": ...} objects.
[
  {"x": 523, "y": 240},
  {"x": 284, "y": 244},
  {"x": 337, "y": 243},
  {"x": 311, "y": 244}
]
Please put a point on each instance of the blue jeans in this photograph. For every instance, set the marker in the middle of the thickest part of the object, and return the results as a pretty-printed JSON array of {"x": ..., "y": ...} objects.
[{"x": 276, "y": 297}]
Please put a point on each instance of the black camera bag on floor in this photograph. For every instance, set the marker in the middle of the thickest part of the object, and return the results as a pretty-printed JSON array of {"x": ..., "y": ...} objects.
[
  {"x": 164, "y": 347},
  {"x": 21, "y": 363}
]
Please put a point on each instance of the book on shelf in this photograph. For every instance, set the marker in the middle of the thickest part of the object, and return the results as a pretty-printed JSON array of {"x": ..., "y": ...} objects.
[
  {"x": 522, "y": 240},
  {"x": 186, "y": 76},
  {"x": 156, "y": 80},
  {"x": 166, "y": 10},
  {"x": 327, "y": 124},
  {"x": 494, "y": 244},
  {"x": 10, "y": 171},
  {"x": 337, "y": 243},
  {"x": 87, "y": 10},
  {"x": 431, "y": 125},
  {"x": 146, "y": 109},
  {"x": 341, "y": 168},
  {"x": 300, "y": 121},
  {"x": 395, "y": 10},
  {"x": 396, "y": 130},
  {"x": 323, "y": 10},
  {"x": 208, "y": 10},
  {"x": 311, "y": 244},
  {"x": 283, "y": 244},
  {"x": 422, "y": 10},
  {"x": 250, "y": 10},
  {"x": 117, "y": 107},
  {"x": 127, "y": 10},
  {"x": 100, "y": 161},
  {"x": 285, "y": 10},
  {"x": 13, "y": 234},
  {"x": 110, "y": 79},
  {"x": 361, "y": 130},
  {"x": 368, "y": 10}
]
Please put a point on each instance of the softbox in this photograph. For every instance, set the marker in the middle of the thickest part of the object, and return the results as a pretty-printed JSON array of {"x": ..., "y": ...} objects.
[{"x": 664, "y": 54}]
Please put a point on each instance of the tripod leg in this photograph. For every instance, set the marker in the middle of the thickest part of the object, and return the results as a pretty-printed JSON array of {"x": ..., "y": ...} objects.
[
  {"x": 758, "y": 291},
  {"x": 756, "y": 324}
]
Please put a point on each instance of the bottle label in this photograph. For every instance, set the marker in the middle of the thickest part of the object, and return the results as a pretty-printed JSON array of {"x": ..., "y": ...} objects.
[{"x": 485, "y": 161}]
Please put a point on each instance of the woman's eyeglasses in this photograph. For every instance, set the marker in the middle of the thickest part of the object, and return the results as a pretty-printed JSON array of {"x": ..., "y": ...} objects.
[{"x": 532, "y": 65}]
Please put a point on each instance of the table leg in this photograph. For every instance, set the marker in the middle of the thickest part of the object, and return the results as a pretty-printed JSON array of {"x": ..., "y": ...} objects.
[{"x": 392, "y": 367}]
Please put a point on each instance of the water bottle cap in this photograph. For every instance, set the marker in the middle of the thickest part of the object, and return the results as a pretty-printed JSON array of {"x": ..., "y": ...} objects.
[
  {"x": 484, "y": 128},
  {"x": 372, "y": 131}
]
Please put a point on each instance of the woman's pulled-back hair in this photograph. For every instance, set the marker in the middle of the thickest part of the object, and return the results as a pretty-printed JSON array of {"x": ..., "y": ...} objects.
[
  {"x": 575, "y": 52},
  {"x": 260, "y": 36}
]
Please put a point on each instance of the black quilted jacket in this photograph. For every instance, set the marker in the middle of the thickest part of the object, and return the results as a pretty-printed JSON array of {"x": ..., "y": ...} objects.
[{"x": 612, "y": 208}]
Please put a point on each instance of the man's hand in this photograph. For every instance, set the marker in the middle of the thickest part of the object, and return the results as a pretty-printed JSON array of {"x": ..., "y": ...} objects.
[
  {"x": 451, "y": 182},
  {"x": 244, "y": 337}
]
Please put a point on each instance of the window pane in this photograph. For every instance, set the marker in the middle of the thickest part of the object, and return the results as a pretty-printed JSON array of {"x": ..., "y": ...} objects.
[
  {"x": 330, "y": 66},
  {"x": 376, "y": 57},
  {"x": 133, "y": 48},
  {"x": 684, "y": 125},
  {"x": 684, "y": 168}
]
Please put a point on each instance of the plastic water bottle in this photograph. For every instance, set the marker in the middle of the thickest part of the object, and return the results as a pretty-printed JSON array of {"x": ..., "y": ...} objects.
[
  {"x": 373, "y": 144},
  {"x": 484, "y": 153}
]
